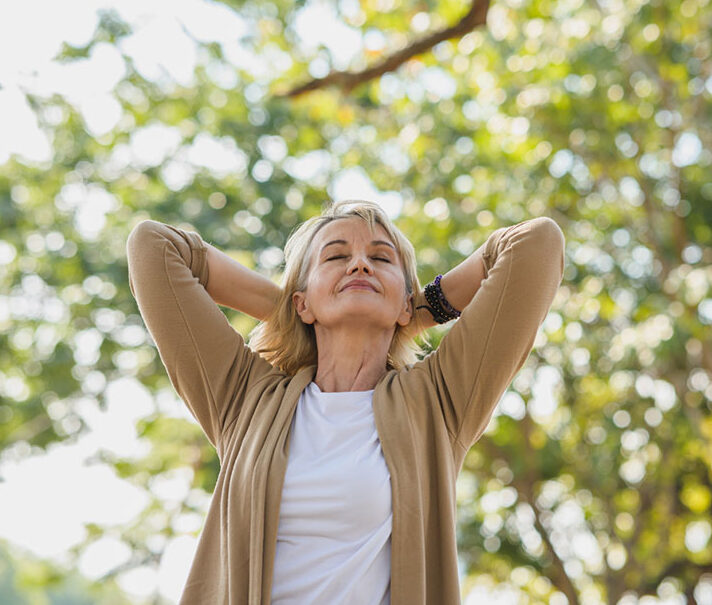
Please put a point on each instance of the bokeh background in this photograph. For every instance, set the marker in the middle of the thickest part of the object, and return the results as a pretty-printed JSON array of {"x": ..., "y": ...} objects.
[{"x": 593, "y": 481}]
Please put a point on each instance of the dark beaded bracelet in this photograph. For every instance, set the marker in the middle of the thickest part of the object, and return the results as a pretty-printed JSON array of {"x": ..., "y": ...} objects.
[
  {"x": 443, "y": 301},
  {"x": 441, "y": 310}
]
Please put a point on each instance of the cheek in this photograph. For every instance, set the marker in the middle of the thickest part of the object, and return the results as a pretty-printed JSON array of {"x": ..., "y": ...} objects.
[
  {"x": 398, "y": 279},
  {"x": 321, "y": 280}
]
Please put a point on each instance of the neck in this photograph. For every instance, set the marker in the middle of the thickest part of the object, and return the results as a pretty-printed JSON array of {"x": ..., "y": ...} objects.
[{"x": 351, "y": 358}]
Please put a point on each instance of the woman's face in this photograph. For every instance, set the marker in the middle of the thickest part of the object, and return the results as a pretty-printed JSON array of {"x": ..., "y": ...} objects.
[{"x": 345, "y": 250}]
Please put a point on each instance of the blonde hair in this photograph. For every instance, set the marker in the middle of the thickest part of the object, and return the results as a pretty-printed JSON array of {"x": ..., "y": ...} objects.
[{"x": 286, "y": 341}]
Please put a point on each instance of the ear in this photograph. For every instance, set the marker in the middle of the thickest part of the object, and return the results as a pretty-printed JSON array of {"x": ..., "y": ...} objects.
[
  {"x": 406, "y": 314},
  {"x": 299, "y": 300}
]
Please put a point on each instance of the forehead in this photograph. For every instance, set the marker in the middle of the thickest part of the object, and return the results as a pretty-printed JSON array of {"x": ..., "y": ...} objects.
[{"x": 350, "y": 229}]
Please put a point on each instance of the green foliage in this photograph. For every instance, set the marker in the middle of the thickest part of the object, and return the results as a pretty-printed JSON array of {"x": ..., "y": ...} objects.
[{"x": 25, "y": 580}]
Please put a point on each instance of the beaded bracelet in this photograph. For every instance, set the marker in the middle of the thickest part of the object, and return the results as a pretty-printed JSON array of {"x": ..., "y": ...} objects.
[{"x": 441, "y": 310}]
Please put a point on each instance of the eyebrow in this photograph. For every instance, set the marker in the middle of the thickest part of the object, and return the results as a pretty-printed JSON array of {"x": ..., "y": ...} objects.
[{"x": 375, "y": 242}]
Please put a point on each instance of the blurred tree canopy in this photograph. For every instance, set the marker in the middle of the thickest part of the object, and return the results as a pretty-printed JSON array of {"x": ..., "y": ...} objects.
[{"x": 593, "y": 482}]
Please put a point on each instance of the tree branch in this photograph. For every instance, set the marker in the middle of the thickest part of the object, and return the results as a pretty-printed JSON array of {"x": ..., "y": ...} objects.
[{"x": 348, "y": 80}]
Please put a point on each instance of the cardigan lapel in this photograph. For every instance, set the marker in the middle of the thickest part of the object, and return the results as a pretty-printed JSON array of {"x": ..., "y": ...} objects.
[
  {"x": 395, "y": 432},
  {"x": 269, "y": 493}
]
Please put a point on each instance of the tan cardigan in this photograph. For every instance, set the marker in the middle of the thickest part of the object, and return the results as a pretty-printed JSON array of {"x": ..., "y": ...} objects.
[{"x": 427, "y": 415}]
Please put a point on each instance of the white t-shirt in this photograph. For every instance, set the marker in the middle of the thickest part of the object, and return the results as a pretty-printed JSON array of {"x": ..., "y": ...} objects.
[{"x": 335, "y": 519}]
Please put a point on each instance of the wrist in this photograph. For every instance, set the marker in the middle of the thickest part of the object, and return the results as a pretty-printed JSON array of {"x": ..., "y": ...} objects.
[{"x": 437, "y": 304}]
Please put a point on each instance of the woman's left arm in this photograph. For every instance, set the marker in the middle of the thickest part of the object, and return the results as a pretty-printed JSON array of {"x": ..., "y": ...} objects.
[{"x": 487, "y": 345}]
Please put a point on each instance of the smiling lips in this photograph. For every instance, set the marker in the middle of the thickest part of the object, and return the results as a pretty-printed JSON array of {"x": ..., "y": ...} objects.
[{"x": 360, "y": 284}]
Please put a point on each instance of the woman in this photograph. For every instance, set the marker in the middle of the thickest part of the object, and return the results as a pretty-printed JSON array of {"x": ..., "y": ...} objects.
[{"x": 339, "y": 449}]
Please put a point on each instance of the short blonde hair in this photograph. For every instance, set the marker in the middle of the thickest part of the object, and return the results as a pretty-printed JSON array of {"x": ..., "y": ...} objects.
[{"x": 286, "y": 341}]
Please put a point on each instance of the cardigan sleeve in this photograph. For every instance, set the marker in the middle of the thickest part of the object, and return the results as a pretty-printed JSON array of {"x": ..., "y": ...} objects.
[
  {"x": 207, "y": 360},
  {"x": 490, "y": 341}
]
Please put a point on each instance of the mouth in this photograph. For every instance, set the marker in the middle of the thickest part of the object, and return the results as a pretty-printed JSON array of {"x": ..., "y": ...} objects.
[{"x": 359, "y": 287}]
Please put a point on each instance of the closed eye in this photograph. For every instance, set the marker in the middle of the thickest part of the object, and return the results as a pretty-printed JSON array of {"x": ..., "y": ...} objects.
[{"x": 375, "y": 258}]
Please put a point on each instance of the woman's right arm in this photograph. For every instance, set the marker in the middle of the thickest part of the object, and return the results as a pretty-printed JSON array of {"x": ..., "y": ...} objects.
[
  {"x": 233, "y": 285},
  {"x": 207, "y": 360}
]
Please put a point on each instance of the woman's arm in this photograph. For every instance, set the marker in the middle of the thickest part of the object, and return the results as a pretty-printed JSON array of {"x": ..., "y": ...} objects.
[
  {"x": 233, "y": 285},
  {"x": 489, "y": 343},
  {"x": 206, "y": 359}
]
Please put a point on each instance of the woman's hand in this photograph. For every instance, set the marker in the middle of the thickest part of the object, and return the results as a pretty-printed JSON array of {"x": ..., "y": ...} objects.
[{"x": 424, "y": 316}]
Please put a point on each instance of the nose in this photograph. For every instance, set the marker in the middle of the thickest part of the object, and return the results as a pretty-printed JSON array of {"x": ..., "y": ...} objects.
[{"x": 360, "y": 262}]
